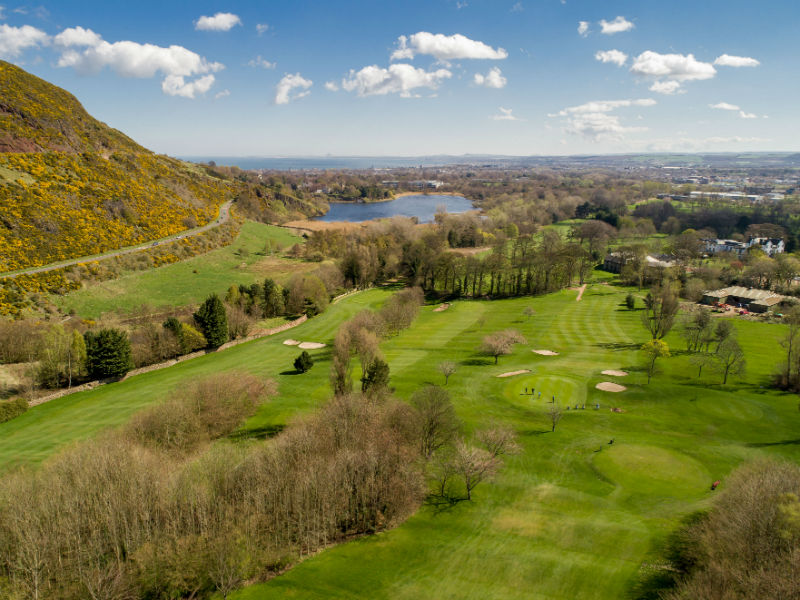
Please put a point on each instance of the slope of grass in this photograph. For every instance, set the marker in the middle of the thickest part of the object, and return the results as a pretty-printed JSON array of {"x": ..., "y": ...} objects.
[
  {"x": 190, "y": 281},
  {"x": 573, "y": 516}
]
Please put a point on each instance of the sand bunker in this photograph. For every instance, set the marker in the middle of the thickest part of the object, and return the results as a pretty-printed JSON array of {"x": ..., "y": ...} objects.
[
  {"x": 442, "y": 307},
  {"x": 608, "y": 386},
  {"x": 291, "y": 342},
  {"x": 615, "y": 373},
  {"x": 310, "y": 345},
  {"x": 545, "y": 352},
  {"x": 512, "y": 373}
]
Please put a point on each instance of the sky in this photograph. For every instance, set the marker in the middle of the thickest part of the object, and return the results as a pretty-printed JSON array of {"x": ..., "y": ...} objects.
[{"x": 412, "y": 78}]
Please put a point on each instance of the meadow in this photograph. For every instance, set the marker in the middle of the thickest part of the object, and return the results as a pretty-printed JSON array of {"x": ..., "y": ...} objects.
[
  {"x": 573, "y": 515},
  {"x": 244, "y": 261}
]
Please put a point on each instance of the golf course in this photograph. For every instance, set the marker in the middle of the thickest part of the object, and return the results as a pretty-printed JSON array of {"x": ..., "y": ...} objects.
[{"x": 581, "y": 512}]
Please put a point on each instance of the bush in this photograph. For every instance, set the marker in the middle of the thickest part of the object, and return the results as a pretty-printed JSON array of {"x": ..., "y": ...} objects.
[
  {"x": 303, "y": 362},
  {"x": 630, "y": 301},
  {"x": 11, "y": 409},
  {"x": 108, "y": 353},
  {"x": 213, "y": 321}
]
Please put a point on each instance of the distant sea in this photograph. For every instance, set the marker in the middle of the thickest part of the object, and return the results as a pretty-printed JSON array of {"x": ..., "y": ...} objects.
[{"x": 322, "y": 162}]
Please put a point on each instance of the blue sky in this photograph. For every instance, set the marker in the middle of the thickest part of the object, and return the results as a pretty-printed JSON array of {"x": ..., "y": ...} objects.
[{"x": 231, "y": 78}]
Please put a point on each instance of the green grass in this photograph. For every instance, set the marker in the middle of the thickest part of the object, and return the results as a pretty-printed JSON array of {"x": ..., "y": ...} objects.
[
  {"x": 573, "y": 516},
  {"x": 190, "y": 281},
  {"x": 10, "y": 175}
]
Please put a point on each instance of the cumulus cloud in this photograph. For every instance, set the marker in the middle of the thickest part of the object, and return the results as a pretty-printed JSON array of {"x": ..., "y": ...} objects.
[
  {"x": 493, "y": 79},
  {"x": 222, "y": 94},
  {"x": 219, "y": 22},
  {"x": 583, "y": 28},
  {"x": 176, "y": 85},
  {"x": 747, "y": 115},
  {"x": 13, "y": 40},
  {"x": 668, "y": 88},
  {"x": 724, "y": 106},
  {"x": 283, "y": 91},
  {"x": 397, "y": 79},
  {"x": 331, "y": 86},
  {"x": 258, "y": 61},
  {"x": 726, "y": 60},
  {"x": 87, "y": 53},
  {"x": 261, "y": 28},
  {"x": 594, "y": 121},
  {"x": 611, "y": 56},
  {"x": 618, "y": 25},
  {"x": 444, "y": 47},
  {"x": 677, "y": 67},
  {"x": 505, "y": 115}
]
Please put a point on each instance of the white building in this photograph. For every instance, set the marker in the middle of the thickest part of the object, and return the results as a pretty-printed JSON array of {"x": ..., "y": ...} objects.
[{"x": 770, "y": 246}]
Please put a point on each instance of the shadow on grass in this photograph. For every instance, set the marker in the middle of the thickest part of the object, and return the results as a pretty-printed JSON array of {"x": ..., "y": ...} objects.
[
  {"x": 619, "y": 346},
  {"x": 477, "y": 362},
  {"x": 769, "y": 444},
  {"x": 291, "y": 372},
  {"x": 442, "y": 504},
  {"x": 257, "y": 433}
]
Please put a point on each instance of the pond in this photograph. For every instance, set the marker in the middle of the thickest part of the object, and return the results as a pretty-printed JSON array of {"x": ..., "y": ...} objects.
[{"x": 422, "y": 206}]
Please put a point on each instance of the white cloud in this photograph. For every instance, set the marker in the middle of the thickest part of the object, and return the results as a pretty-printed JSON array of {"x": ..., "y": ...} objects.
[
  {"x": 583, "y": 28},
  {"x": 675, "y": 67},
  {"x": 505, "y": 115},
  {"x": 444, "y": 47},
  {"x": 2, "y": 16},
  {"x": 77, "y": 36},
  {"x": 618, "y": 25},
  {"x": 517, "y": 7},
  {"x": 611, "y": 56},
  {"x": 493, "y": 79},
  {"x": 724, "y": 106},
  {"x": 331, "y": 86},
  {"x": 726, "y": 60},
  {"x": 283, "y": 91},
  {"x": 222, "y": 94},
  {"x": 594, "y": 121},
  {"x": 686, "y": 143},
  {"x": 176, "y": 85},
  {"x": 13, "y": 40},
  {"x": 460, "y": 5},
  {"x": 131, "y": 59},
  {"x": 397, "y": 79},
  {"x": 219, "y": 22},
  {"x": 747, "y": 115},
  {"x": 668, "y": 88},
  {"x": 261, "y": 28},
  {"x": 258, "y": 61}
]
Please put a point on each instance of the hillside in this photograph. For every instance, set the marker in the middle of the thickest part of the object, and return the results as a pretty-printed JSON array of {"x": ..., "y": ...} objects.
[{"x": 72, "y": 186}]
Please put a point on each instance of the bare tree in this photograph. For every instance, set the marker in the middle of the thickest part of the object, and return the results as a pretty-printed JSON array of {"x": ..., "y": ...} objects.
[
  {"x": 341, "y": 380},
  {"x": 447, "y": 368},
  {"x": 660, "y": 308},
  {"x": 437, "y": 420},
  {"x": 474, "y": 465},
  {"x": 729, "y": 358},
  {"x": 499, "y": 440},
  {"x": 500, "y": 343},
  {"x": 554, "y": 414},
  {"x": 528, "y": 311}
]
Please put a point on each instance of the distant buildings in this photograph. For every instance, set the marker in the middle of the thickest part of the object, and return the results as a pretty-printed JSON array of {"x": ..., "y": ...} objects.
[
  {"x": 770, "y": 246},
  {"x": 757, "y": 301},
  {"x": 615, "y": 261}
]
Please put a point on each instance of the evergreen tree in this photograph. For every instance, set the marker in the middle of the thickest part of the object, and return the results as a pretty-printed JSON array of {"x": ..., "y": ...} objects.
[
  {"x": 212, "y": 321},
  {"x": 108, "y": 353},
  {"x": 376, "y": 378},
  {"x": 303, "y": 362},
  {"x": 272, "y": 298}
]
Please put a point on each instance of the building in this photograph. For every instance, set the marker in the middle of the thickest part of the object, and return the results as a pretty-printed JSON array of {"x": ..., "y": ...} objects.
[
  {"x": 770, "y": 246},
  {"x": 757, "y": 301},
  {"x": 615, "y": 261}
]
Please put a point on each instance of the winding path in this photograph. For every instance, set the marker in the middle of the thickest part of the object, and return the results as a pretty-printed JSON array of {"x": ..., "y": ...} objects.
[{"x": 223, "y": 217}]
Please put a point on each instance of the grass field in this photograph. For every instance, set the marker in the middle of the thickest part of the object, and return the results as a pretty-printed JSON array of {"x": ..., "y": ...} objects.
[
  {"x": 190, "y": 281},
  {"x": 571, "y": 517}
]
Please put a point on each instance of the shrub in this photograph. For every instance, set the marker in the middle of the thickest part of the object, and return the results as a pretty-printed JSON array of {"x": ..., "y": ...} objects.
[
  {"x": 303, "y": 362},
  {"x": 11, "y": 409},
  {"x": 213, "y": 321},
  {"x": 630, "y": 301},
  {"x": 108, "y": 353}
]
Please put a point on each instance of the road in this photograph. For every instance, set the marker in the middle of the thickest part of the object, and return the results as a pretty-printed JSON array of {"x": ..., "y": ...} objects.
[{"x": 224, "y": 215}]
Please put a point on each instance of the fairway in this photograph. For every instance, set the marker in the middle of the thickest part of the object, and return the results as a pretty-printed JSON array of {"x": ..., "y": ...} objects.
[
  {"x": 573, "y": 516},
  {"x": 191, "y": 280}
]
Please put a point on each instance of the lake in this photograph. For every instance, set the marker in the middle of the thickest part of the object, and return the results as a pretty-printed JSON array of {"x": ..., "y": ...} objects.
[{"x": 422, "y": 206}]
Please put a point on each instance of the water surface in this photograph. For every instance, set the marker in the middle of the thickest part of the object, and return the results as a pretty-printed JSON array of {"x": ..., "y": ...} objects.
[{"x": 421, "y": 206}]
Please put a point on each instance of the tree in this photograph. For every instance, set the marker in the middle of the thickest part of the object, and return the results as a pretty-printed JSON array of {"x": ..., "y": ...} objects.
[
  {"x": 76, "y": 358},
  {"x": 498, "y": 440},
  {"x": 108, "y": 353},
  {"x": 660, "y": 308},
  {"x": 341, "y": 381},
  {"x": 437, "y": 422},
  {"x": 376, "y": 379},
  {"x": 653, "y": 350},
  {"x": 696, "y": 328},
  {"x": 447, "y": 368},
  {"x": 303, "y": 362},
  {"x": 554, "y": 414},
  {"x": 213, "y": 322},
  {"x": 474, "y": 465},
  {"x": 701, "y": 360},
  {"x": 272, "y": 300},
  {"x": 722, "y": 331},
  {"x": 500, "y": 343},
  {"x": 630, "y": 301},
  {"x": 528, "y": 311},
  {"x": 729, "y": 358}
]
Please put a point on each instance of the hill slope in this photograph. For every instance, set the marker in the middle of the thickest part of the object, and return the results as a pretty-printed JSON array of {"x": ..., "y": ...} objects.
[{"x": 72, "y": 186}]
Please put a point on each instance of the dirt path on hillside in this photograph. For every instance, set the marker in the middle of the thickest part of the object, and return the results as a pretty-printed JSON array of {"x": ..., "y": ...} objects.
[
  {"x": 580, "y": 292},
  {"x": 223, "y": 217}
]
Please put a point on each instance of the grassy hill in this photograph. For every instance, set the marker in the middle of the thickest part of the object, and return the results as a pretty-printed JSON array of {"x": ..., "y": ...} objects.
[
  {"x": 571, "y": 517},
  {"x": 72, "y": 186}
]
